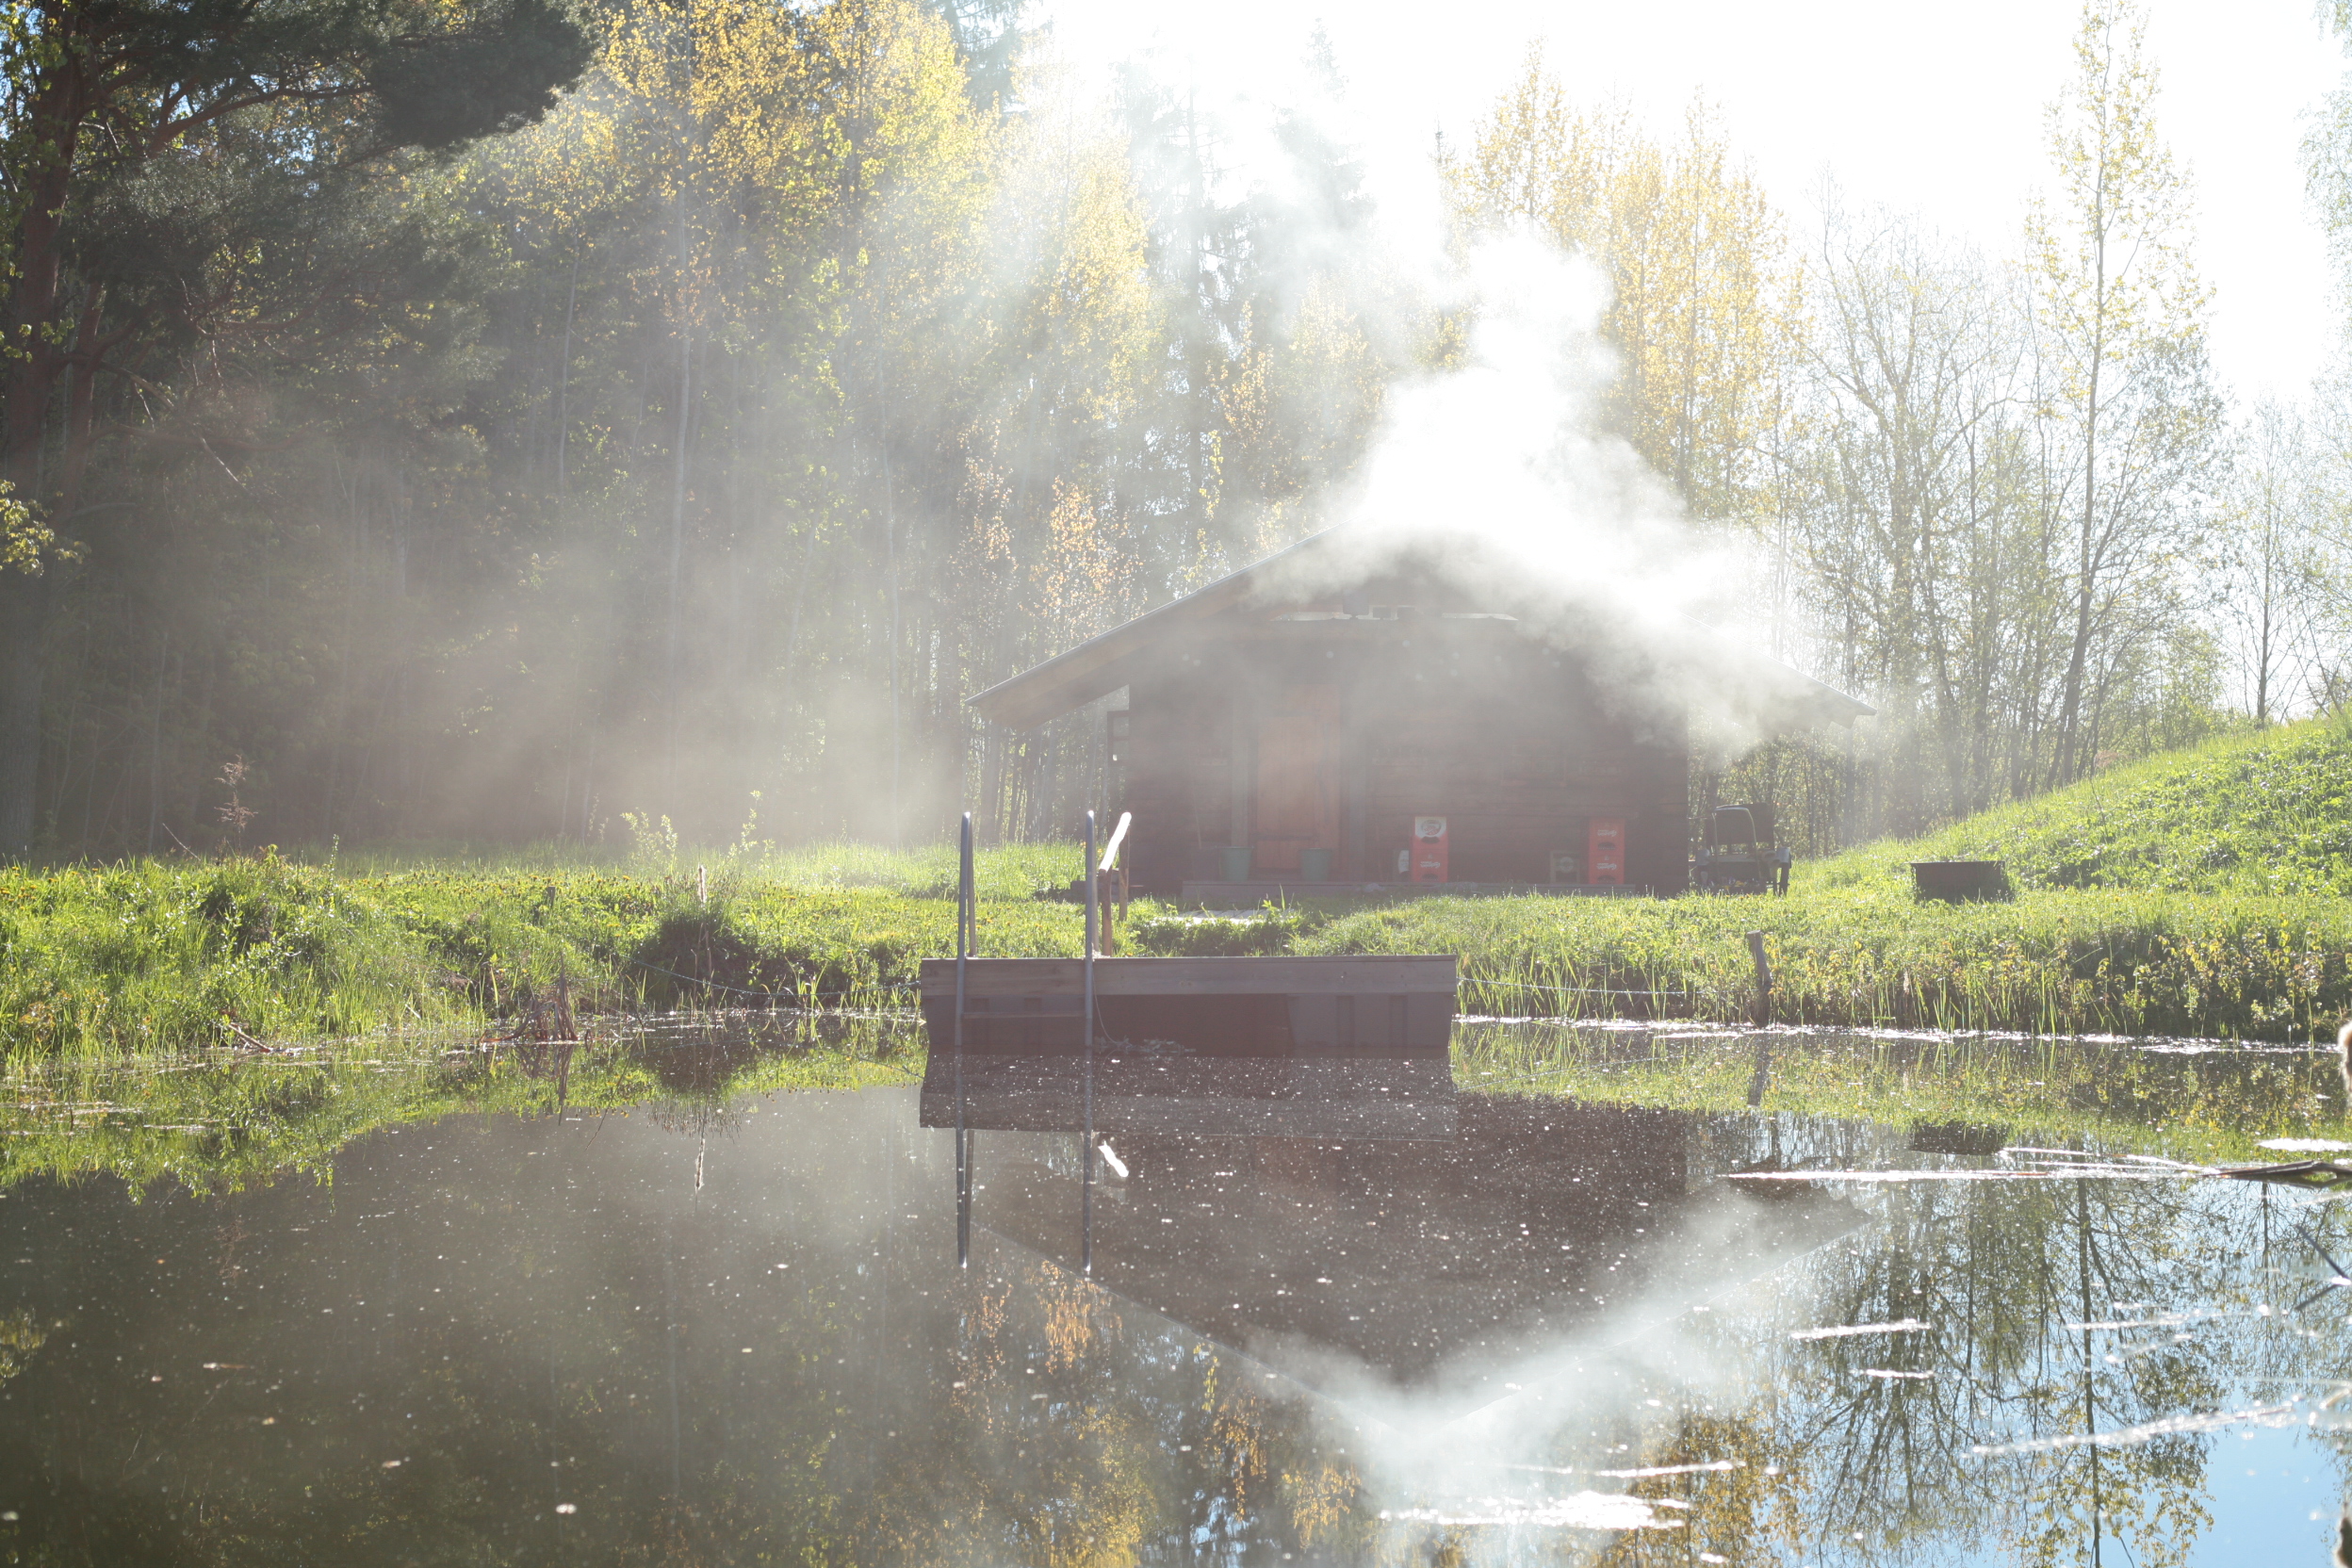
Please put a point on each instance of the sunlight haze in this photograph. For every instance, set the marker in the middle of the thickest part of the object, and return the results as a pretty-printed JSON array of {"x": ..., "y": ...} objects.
[{"x": 1929, "y": 110}]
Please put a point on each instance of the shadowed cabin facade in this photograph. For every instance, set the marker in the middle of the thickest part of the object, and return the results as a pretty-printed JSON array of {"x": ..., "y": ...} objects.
[{"x": 1306, "y": 704}]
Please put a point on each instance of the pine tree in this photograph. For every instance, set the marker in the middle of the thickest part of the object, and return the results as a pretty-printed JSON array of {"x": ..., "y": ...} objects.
[{"x": 155, "y": 155}]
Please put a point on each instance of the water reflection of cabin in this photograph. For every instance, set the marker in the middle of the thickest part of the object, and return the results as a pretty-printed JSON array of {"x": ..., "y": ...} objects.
[
  {"x": 1520, "y": 1229},
  {"x": 1312, "y": 703}
]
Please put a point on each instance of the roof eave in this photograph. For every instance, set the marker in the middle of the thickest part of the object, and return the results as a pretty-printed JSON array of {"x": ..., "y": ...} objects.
[{"x": 1042, "y": 691}]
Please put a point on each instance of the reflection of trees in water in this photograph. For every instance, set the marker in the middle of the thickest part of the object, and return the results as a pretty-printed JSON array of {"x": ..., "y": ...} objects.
[
  {"x": 1018, "y": 1414},
  {"x": 1832, "y": 1461},
  {"x": 1057, "y": 1444},
  {"x": 21, "y": 1336},
  {"x": 1749, "y": 1513},
  {"x": 2006, "y": 1273}
]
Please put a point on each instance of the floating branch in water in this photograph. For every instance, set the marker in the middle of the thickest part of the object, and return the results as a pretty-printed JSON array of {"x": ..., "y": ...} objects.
[
  {"x": 2124, "y": 1173},
  {"x": 1647, "y": 1472},
  {"x": 1842, "y": 1331},
  {"x": 2298, "y": 1173},
  {"x": 1584, "y": 1511},
  {"x": 2070, "y": 1159},
  {"x": 2261, "y": 1415},
  {"x": 2057, "y": 1165},
  {"x": 2165, "y": 1320}
]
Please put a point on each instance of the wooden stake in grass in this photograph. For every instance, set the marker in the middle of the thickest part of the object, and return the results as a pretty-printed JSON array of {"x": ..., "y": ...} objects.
[{"x": 1763, "y": 979}]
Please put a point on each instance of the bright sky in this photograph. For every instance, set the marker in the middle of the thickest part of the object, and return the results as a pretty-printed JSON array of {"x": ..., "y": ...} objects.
[{"x": 1938, "y": 109}]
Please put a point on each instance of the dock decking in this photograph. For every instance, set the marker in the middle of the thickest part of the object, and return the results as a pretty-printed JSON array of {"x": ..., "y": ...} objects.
[
  {"x": 1252, "y": 895},
  {"x": 1259, "y": 1008}
]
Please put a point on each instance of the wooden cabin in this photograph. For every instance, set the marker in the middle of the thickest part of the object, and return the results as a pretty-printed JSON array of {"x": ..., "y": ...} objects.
[{"x": 1302, "y": 715}]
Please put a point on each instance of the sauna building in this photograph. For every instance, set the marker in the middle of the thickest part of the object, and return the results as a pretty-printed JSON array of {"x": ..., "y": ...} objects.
[{"x": 1430, "y": 712}]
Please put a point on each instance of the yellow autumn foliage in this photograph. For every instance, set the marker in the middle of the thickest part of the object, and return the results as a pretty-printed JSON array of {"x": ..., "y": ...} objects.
[{"x": 1703, "y": 309}]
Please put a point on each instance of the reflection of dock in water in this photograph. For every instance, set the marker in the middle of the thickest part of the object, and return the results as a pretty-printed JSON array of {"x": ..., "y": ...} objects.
[
  {"x": 1333, "y": 1097},
  {"x": 1268, "y": 1045},
  {"x": 1334, "y": 1216}
]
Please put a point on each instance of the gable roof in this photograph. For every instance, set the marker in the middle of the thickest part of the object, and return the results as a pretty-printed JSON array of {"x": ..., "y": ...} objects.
[{"x": 1672, "y": 651}]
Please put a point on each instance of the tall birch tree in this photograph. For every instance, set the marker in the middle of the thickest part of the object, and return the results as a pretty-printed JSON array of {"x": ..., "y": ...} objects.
[
  {"x": 1923, "y": 532},
  {"x": 2122, "y": 315}
]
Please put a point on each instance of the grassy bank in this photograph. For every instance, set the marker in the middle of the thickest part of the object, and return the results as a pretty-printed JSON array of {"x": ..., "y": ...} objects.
[
  {"x": 171, "y": 955},
  {"x": 2201, "y": 893},
  {"x": 2263, "y": 815},
  {"x": 2067, "y": 962}
]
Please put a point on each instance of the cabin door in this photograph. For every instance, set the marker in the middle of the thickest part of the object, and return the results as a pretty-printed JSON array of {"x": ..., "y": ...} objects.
[{"x": 1298, "y": 784}]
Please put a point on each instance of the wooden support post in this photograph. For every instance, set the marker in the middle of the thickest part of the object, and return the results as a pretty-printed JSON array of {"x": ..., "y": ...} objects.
[
  {"x": 1106, "y": 897},
  {"x": 1763, "y": 1018},
  {"x": 1110, "y": 880}
]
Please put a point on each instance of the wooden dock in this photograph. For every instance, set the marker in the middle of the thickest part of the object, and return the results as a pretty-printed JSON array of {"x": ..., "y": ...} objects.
[
  {"x": 1385, "y": 1099},
  {"x": 1257, "y": 1008},
  {"x": 1250, "y": 896}
]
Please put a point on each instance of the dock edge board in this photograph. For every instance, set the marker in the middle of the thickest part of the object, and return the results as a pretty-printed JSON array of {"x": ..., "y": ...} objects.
[{"x": 1414, "y": 975}]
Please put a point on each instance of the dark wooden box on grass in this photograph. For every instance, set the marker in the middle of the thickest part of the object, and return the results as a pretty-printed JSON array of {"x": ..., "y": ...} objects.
[{"x": 1959, "y": 881}]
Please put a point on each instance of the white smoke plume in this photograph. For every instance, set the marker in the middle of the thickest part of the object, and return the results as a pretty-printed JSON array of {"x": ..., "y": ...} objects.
[{"x": 1499, "y": 471}]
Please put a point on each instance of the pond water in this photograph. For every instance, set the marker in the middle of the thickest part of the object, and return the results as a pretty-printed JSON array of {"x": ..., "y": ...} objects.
[{"x": 1349, "y": 1315}]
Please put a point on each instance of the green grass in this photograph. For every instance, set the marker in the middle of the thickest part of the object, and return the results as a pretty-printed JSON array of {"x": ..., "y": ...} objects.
[
  {"x": 2071, "y": 962},
  {"x": 160, "y": 956},
  {"x": 2203, "y": 892},
  {"x": 2212, "y": 1105},
  {"x": 2261, "y": 814}
]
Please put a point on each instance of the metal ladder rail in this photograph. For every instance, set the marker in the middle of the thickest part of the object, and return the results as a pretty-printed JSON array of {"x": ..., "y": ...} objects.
[{"x": 1086, "y": 1192}]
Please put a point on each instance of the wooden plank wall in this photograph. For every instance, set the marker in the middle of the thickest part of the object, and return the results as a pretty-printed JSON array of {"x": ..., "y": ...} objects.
[{"x": 1513, "y": 743}]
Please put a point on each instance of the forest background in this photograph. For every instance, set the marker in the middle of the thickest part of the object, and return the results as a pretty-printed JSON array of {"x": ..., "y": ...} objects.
[{"x": 684, "y": 426}]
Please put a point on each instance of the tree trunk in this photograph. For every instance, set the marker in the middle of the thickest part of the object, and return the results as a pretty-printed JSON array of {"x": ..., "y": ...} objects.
[
  {"x": 2062, "y": 767},
  {"x": 27, "y": 604},
  {"x": 27, "y": 394}
]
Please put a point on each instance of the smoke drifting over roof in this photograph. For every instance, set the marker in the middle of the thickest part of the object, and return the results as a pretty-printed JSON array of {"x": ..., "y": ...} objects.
[{"x": 1494, "y": 476}]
